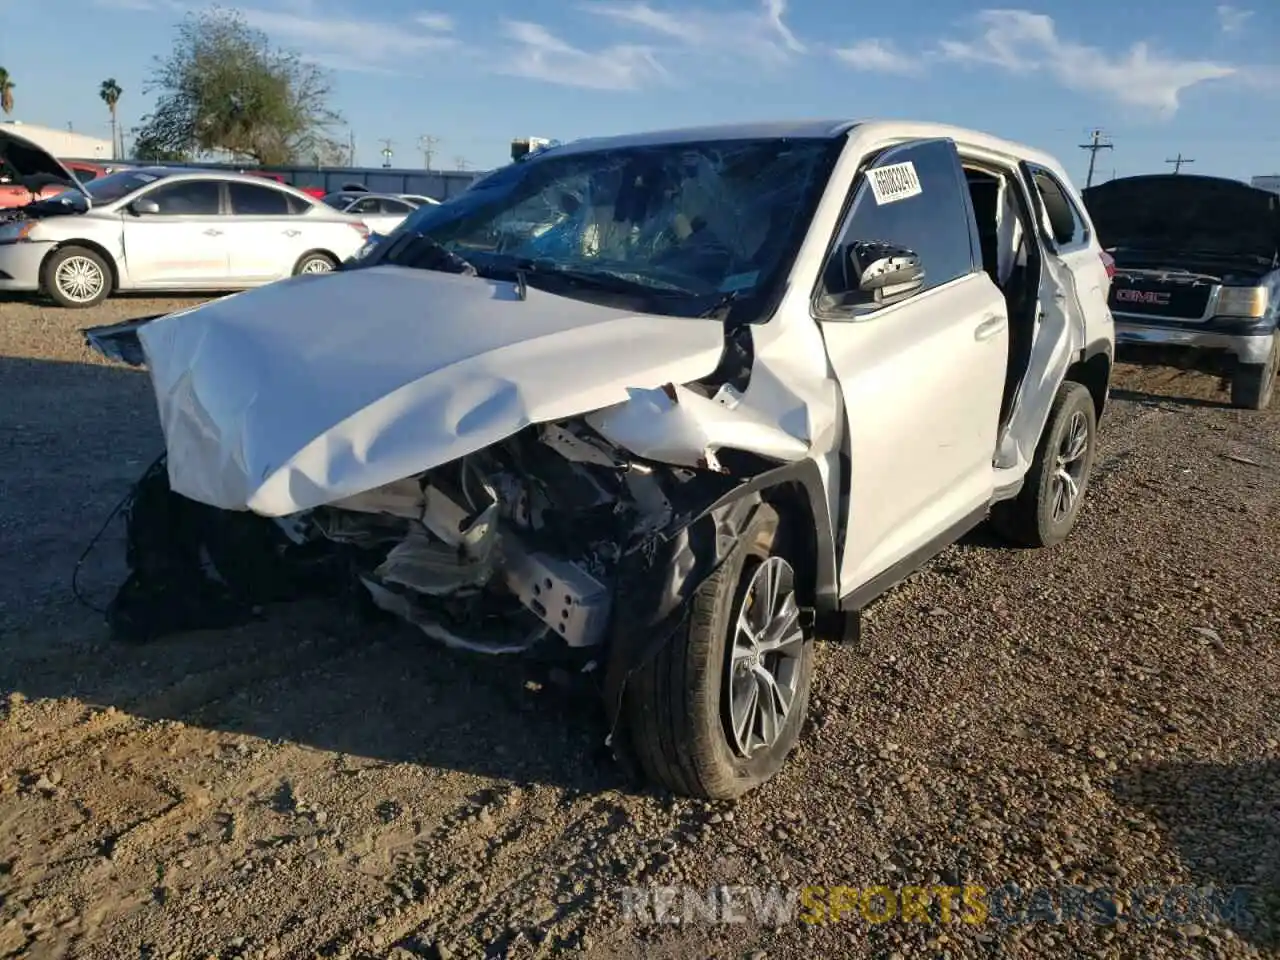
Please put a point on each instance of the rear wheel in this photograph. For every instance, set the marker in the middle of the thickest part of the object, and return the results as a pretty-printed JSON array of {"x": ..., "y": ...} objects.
[
  {"x": 1254, "y": 383},
  {"x": 76, "y": 277},
  {"x": 315, "y": 263},
  {"x": 1046, "y": 509},
  {"x": 718, "y": 709}
]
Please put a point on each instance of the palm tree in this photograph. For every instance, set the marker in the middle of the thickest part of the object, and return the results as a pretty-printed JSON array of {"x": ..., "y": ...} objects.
[
  {"x": 110, "y": 93},
  {"x": 6, "y": 91}
]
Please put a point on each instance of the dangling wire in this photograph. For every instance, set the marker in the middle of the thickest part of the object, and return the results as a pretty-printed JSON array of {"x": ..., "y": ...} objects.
[{"x": 93, "y": 542}]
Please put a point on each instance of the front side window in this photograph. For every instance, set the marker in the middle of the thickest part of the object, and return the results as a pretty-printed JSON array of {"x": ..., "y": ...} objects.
[
  {"x": 369, "y": 205},
  {"x": 908, "y": 230},
  {"x": 251, "y": 200},
  {"x": 691, "y": 225},
  {"x": 191, "y": 198},
  {"x": 396, "y": 207}
]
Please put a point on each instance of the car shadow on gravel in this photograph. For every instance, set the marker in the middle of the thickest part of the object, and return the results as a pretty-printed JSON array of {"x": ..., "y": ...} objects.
[
  {"x": 1223, "y": 822},
  {"x": 73, "y": 439},
  {"x": 1180, "y": 378}
]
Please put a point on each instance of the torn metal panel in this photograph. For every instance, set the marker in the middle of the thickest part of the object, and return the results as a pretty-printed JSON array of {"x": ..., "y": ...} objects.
[
  {"x": 332, "y": 398},
  {"x": 119, "y": 341},
  {"x": 678, "y": 426}
]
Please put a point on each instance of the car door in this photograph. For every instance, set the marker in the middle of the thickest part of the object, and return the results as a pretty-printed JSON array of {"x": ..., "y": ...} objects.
[
  {"x": 268, "y": 235},
  {"x": 369, "y": 210},
  {"x": 921, "y": 361},
  {"x": 1071, "y": 283},
  {"x": 391, "y": 213},
  {"x": 181, "y": 240}
]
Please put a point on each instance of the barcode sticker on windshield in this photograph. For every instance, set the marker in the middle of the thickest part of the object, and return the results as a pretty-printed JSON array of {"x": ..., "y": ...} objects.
[{"x": 898, "y": 181}]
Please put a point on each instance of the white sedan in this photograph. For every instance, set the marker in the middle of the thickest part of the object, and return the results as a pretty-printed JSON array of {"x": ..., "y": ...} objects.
[
  {"x": 159, "y": 229},
  {"x": 381, "y": 212}
]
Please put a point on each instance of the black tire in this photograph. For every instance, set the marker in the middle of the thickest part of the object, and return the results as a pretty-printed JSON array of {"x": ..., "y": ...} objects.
[
  {"x": 314, "y": 262},
  {"x": 1253, "y": 384},
  {"x": 61, "y": 268},
  {"x": 677, "y": 709},
  {"x": 1031, "y": 519}
]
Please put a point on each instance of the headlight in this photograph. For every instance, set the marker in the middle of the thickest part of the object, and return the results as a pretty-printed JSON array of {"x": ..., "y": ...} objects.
[
  {"x": 16, "y": 230},
  {"x": 1250, "y": 302}
]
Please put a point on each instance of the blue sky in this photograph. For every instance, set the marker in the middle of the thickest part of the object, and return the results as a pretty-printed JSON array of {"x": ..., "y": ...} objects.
[{"x": 1160, "y": 78}]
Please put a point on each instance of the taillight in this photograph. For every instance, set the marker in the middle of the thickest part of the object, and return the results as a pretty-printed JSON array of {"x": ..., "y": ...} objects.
[
  {"x": 361, "y": 229},
  {"x": 1108, "y": 264}
]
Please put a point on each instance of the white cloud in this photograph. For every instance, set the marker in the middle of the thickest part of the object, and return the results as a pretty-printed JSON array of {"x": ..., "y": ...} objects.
[
  {"x": 1232, "y": 19},
  {"x": 761, "y": 33},
  {"x": 881, "y": 56},
  {"x": 541, "y": 55},
  {"x": 1023, "y": 42},
  {"x": 362, "y": 45}
]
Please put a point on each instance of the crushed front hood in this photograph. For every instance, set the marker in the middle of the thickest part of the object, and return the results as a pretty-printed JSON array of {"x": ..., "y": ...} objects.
[
  {"x": 1181, "y": 213},
  {"x": 322, "y": 387},
  {"x": 30, "y": 159}
]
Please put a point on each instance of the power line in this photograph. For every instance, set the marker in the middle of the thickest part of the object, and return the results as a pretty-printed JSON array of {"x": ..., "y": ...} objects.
[
  {"x": 460, "y": 163},
  {"x": 1178, "y": 161},
  {"x": 387, "y": 153},
  {"x": 427, "y": 144},
  {"x": 1096, "y": 143}
]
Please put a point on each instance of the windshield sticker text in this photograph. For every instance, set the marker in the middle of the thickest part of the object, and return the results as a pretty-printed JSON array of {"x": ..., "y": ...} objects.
[{"x": 898, "y": 181}]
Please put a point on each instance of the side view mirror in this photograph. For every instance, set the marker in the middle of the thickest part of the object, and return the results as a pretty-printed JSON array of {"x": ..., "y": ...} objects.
[
  {"x": 885, "y": 271},
  {"x": 142, "y": 208}
]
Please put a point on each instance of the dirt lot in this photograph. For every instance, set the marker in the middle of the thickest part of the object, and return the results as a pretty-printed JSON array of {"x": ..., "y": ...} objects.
[{"x": 1106, "y": 714}]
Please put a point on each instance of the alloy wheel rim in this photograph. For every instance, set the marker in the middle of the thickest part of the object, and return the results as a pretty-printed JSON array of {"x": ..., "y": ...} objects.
[
  {"x": 79, "y": 279},
  {"x": 317, "y": 265},
  {"x": 763, "y": 674},
  {"x": 1068, "y": 474}
]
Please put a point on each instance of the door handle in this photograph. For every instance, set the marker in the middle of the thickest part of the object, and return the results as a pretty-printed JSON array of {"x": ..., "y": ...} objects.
[
  {"x": 212, "y": 232},
  {"x": 292, "y": 233},
  {"x": 988, "y": 328}
]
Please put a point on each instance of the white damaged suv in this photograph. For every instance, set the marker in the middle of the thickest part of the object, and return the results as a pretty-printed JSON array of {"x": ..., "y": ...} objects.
[{"x": 673, "y": 404}]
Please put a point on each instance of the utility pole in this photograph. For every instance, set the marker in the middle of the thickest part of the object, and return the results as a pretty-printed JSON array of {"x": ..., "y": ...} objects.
[
  {"x": 387, "y": 154},
  {"x": 427, "y": 144},
  {"x": 1178, "y": 161},
  {"x": 460, "y": 163},
  {"x": 1096, "y": 142},
  {"x": 351, "y": 148}
]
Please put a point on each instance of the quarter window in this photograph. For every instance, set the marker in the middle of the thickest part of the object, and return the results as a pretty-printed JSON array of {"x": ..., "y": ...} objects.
[
  {"x": 191, "y": 198},
  {"x": 908, "y": 204},
  {"x": 1061, "y": 217},
  {"x": 251, "y": 200}
]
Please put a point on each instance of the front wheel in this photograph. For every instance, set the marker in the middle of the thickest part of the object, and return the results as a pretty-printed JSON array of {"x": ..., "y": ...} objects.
[
  {"x": 1253, "y": 383},
  {"x": 76, "y": 277},
  {"x": 1046, "y": 509},
  {"x": 717, "y": 710}
]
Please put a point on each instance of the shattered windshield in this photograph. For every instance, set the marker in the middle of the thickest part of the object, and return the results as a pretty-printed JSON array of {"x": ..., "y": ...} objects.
[{"x": 680, "y": 226}]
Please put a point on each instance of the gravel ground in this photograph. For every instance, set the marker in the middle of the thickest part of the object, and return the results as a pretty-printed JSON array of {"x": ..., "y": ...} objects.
[{"x": 1103, "y": 715}]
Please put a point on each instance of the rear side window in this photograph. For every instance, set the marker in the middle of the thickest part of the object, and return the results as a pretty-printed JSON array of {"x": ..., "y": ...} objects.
[
  {"x": 912, "y": 199},
  {"x": 1062, "y": 219},
  {"x": 251, "y": 200}
]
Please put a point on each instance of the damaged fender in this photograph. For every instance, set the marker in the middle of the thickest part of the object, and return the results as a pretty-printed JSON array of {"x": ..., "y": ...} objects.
[{"x": 657, "y": 584}]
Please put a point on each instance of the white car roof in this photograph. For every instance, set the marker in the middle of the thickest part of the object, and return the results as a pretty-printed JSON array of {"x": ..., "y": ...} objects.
[{"x": 814, "y": 129}]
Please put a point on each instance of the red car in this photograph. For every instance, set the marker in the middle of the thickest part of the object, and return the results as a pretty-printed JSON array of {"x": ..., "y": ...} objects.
[{"x": 27, "y": 172}]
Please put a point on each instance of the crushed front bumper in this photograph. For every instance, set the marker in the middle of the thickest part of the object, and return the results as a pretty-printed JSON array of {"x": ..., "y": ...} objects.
[{"x": 1248, "y": 342}]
